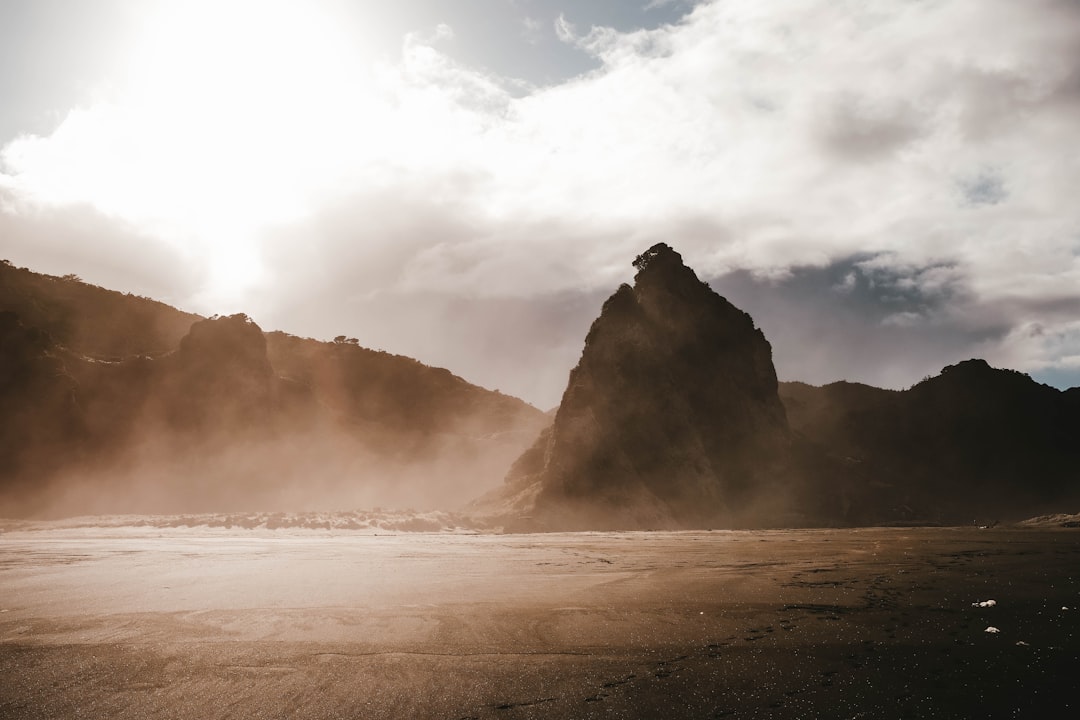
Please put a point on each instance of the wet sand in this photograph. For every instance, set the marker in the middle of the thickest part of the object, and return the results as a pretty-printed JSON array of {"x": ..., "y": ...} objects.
[{"x": 209, "y": 623}]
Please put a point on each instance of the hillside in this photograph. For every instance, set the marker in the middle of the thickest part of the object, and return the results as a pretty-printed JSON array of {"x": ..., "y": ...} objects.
[
  {"x": 116, "y": 403},
  {"x": 91, "y": 320},
  {"x": 672, "y": 418},
  {"x": 974, "y": 443}
]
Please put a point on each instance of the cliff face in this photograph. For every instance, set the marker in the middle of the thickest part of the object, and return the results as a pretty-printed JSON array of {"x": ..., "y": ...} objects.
[{"x": 671, "y": 418}]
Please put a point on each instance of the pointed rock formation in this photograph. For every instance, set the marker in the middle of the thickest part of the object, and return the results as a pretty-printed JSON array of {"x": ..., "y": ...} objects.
[{"x": 670, "y": 419}]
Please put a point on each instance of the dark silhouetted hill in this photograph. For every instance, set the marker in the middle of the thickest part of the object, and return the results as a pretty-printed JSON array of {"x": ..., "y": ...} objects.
[
  {"x": 42, "y": 423},
  {"x": 974, "y": 443},
  {"x": 108, "y": 407}
]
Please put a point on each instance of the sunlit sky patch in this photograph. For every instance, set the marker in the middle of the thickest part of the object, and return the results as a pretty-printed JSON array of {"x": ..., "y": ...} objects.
[{"x": 465, "y": 181}]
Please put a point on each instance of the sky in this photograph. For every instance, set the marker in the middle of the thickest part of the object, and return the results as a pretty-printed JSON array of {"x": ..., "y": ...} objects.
[{"x": 886, "y": 187}]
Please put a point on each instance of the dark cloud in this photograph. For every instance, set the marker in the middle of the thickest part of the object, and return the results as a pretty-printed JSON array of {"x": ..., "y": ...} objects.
[
  {"x": 859, "y": 128},
  {"x": 986, "y": 188},
  {"x": 859, "y": 320}
]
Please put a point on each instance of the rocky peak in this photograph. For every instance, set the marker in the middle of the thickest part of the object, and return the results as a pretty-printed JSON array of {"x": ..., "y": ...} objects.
[
  {"x": 671, "y": 416},
  {"x": 661, "y": 270}
]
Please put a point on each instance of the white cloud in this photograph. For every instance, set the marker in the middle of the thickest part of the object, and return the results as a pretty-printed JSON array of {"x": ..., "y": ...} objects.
[
  {"x": 752, "y": 135},
  {"x": 532, "y": 30},
  {"x": 564, "y": 30}
]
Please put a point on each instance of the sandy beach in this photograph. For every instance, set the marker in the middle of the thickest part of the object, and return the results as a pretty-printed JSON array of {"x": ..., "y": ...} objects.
[{"x": 139, "y": 622}]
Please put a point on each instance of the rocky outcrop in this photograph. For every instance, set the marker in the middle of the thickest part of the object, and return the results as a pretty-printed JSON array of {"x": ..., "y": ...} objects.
[{"x": 670, "y": 419}]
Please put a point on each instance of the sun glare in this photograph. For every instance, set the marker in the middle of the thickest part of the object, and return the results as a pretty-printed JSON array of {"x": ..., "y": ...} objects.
[
  {"x": 233, "y": 109},
  {"x": 235, "y": 116}
]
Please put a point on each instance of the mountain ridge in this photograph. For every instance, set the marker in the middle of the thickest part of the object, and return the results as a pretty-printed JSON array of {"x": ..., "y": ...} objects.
[
  {"x": 952, "y": 449},
  {"x": 121, "y": 411},
  {"x": 973, "y": 442},
  {"x": 672, "y": 418}
]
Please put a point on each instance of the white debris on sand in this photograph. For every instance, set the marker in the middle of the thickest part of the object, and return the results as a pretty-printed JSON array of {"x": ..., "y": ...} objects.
[
  {"x": 358, "y": 521},
  {"x": 992, "y": 630},
  {"x": 984, "y": 604},
  {"x": 1021, "y": 643}
]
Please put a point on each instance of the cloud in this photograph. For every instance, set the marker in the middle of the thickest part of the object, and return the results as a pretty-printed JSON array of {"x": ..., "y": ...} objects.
[
  {"x": 564, "y": 30},
  {"x": 872, "y": 319},
  {"x": 766, "y": 141},
  {"x": 859, "y": 128},
  {"x": 104, "y": 251},
  {"x": 985, "y": 188},
  {"x": 532, "y": 30},
  {"x": 859, "y": 320}
]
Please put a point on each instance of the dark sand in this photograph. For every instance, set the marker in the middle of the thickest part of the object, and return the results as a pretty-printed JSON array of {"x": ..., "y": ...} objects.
[{"x": 879, "y": 623}]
